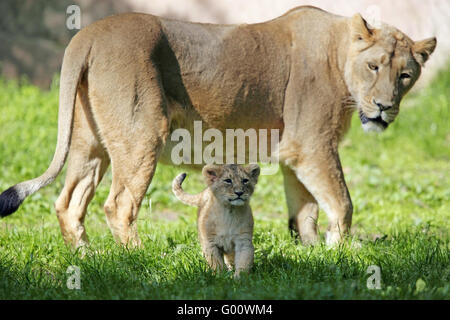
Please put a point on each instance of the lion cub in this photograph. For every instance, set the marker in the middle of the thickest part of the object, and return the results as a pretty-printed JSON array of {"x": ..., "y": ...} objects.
[{"x": 225, "y": 221}]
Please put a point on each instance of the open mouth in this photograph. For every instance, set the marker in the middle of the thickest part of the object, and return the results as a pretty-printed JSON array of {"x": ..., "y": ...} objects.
[{"x": 377, "y": 120}]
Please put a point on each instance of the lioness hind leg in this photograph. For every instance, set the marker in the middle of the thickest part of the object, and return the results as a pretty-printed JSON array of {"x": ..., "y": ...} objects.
[
  {"x": 129, "y": 185},
  {"x": 133, "y": 161},
  {"x": 87, "y": 164},
  {"x": 134, "y": 156},
  {"x": 302, "y": 207},
  {"x": 133, "y": 122}
]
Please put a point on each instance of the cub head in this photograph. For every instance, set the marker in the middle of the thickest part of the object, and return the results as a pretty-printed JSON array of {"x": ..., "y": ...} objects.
[
  {"x": 382, "y": 65},
  {"x": 230, "y": 183}
]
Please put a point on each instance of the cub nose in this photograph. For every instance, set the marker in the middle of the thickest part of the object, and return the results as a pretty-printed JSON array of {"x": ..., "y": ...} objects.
[
  {"x": 239, "y": 193},
  {"x": 382, "y": 107}
]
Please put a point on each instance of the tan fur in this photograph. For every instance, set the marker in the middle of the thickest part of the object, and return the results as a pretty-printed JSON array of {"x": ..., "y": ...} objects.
[
  {"x": 140, "y": 77},
  {"x": 225, "y": 225}
]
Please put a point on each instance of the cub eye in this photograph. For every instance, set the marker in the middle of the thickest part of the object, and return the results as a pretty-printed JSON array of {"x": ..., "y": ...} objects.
[
  {"x": 227, "y": 181},
  {"x": 405, "y": 76},
  {"x": 244, "y": 181},
  {"x": 372, "y": 67}
]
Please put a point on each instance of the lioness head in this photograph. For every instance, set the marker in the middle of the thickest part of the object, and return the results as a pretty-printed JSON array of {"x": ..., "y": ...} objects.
[
  {"x": 232, "y": 184},
  {"x": 382, "y": 65}
]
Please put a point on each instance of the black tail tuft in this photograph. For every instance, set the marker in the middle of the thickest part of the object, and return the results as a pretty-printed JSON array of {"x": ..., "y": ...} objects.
[
  {"x": 183, "y": 176},
  {"x": 9, "y": 202}
]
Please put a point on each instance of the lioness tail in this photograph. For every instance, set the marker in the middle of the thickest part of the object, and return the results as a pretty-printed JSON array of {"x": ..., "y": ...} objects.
[{"x": 74, "y": 64}]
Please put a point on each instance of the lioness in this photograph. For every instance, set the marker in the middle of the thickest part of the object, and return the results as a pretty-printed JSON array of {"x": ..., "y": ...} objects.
[
  {"x": 129, "y": 80},
  {"x": 225, "y": 220}
]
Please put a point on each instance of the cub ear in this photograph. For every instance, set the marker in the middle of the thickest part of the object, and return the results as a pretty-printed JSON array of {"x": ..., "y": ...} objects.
[
  {"x": 253, "y": 171},
  {"x": 423, "y": 49},
  {"x": 360, "y": 29},
  {"x": 211, "y": 173}
]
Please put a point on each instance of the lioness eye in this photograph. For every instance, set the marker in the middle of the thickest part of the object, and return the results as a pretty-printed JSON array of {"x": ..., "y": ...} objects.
[
  {"x": 245, "y": 181},
  {"x": 373, "y": 67},
  {"x": 227, "y": 181},
  {"x": 405, "y": 76}
]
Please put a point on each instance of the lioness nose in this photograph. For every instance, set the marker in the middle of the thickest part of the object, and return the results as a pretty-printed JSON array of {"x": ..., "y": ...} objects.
[
  {"x": 382, "y": 107},
  {"x": 239, "y": 193}
]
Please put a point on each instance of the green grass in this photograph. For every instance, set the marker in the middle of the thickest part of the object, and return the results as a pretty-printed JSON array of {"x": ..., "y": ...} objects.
[{"x": 399, "y": 182}]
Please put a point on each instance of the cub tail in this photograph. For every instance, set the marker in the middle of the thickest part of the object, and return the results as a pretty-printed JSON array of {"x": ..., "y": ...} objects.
[{"x": 189, "y": 199}]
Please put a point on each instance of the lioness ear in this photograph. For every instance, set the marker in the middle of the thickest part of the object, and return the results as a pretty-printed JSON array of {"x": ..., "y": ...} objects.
[
  {"x": 360, "y": 29},
  {"x": 423, "y": 49},
  {"x": 211, "y": 173},
  {"x": 253, "y": 171}
]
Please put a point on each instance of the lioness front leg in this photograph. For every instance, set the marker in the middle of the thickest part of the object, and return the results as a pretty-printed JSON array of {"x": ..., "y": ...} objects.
[
  {"x": 302, "y": 207},
  {"x": 321, "y": 173}
]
